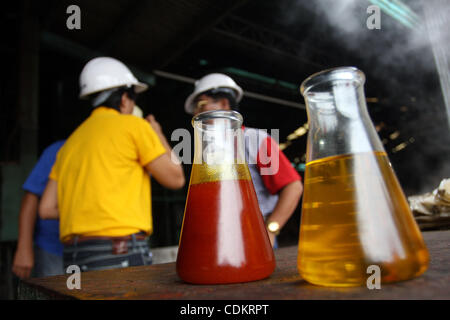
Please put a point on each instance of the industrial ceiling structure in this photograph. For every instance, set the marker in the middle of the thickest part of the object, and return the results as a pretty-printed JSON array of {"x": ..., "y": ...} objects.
[{"x": 269, "y": 48}]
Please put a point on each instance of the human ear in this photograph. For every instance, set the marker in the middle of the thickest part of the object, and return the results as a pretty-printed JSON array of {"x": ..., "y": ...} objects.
[{"x": 123, "y": 102}]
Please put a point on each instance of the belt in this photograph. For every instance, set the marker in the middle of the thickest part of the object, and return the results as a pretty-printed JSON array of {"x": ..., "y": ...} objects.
[{"x": 138, "y": 236}]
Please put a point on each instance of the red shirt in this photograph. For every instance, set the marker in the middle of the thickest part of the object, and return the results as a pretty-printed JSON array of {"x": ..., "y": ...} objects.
[{"x": 270, "y": 169}]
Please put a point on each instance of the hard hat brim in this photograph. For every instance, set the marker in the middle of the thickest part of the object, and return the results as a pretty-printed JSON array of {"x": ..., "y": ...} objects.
[
  {"x": 139, "y": 87},
  {"x": 189, "y": 103}
]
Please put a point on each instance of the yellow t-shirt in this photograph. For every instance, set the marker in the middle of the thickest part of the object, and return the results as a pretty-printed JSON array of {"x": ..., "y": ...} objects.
[{"x": 103, "y": 189}]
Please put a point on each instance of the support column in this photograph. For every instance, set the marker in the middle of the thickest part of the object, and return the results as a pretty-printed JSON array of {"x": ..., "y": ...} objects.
[{"x": 13, "y": 175}]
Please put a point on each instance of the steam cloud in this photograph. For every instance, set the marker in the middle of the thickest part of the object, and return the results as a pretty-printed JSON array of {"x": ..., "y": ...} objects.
[{"x": 403, "y": 58}]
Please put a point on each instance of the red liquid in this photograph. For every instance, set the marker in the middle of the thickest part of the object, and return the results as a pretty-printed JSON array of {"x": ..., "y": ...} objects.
[{"x": 223, "y": 239}]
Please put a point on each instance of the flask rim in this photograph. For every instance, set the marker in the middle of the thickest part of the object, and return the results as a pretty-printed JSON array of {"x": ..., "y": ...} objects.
[
  {"x": 333, "y": 74},
  {"x": 218, "y": 114}
]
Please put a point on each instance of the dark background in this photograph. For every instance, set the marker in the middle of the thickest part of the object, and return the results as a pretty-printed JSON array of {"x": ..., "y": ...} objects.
[{"x": 268, "y": 47}]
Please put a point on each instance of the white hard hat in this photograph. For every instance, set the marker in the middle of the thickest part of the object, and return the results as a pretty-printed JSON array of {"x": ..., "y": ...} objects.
[
  {"x": 137, "y": 112},
  {"x": 105, "y": 73},
  {"x": 208, "y": 82}
]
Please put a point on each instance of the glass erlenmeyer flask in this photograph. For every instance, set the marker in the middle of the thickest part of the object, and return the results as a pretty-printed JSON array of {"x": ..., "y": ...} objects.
[
  {"x": 223, "y": 237},
  {"x": 354, "y": 212}
]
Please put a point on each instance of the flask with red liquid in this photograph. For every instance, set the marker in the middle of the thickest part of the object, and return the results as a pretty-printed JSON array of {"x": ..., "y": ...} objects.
[{"x": 223, "y": 237}]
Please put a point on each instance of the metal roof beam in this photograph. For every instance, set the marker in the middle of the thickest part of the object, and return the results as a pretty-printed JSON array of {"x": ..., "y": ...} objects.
[
  {"x": 191, "y": 36},
  {"x": 250, "y": 33},
  {"x": 123, "y": 24},
  {"x": 78, "y": 51}
]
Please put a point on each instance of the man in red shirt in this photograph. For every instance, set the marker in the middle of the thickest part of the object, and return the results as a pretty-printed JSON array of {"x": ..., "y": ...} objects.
[{"x": 278, "y": 186}]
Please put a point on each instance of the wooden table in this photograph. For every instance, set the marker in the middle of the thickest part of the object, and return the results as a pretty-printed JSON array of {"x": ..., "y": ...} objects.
[{"x": 161, "y": 282}]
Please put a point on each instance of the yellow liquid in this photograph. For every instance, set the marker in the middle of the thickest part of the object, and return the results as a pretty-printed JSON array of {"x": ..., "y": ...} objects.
[{"x": 355, "y": 215}]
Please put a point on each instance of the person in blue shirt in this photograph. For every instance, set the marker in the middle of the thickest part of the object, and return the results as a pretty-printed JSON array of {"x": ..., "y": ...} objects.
[{"x": 39, "y": 251}]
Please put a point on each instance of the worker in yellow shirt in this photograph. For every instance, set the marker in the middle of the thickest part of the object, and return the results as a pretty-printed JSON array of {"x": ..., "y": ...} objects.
[{"x": 99, "y": 186}]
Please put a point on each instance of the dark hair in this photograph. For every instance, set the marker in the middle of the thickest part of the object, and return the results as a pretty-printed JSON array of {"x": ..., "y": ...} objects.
[
  {"x": 115, "y": 99},
  {"x": 223, "y": 93}
]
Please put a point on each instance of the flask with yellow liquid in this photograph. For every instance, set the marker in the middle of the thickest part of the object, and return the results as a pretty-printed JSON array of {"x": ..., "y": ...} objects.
[
  {"x": 223, "y": 237},
  {"x": 354, "y": 212}
]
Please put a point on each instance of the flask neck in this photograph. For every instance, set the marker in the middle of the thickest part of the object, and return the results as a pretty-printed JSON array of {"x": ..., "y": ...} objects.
[
  {"x": 337, "y": 115},
  {"x": 218, "y": 138}
]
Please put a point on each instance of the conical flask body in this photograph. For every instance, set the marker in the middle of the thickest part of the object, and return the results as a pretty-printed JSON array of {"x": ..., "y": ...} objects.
[
  {"x": 355, "y": 217},
  {"x": 223, "y": 237}
]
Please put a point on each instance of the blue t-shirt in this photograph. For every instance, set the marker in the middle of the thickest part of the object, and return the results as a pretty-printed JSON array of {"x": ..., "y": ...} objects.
[{"x": 46, "y": 232}]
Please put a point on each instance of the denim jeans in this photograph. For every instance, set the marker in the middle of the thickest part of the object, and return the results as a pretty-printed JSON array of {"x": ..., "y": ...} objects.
[
  {"x": 46, "y": 264},
  {"x": 98, "y": 255}
]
